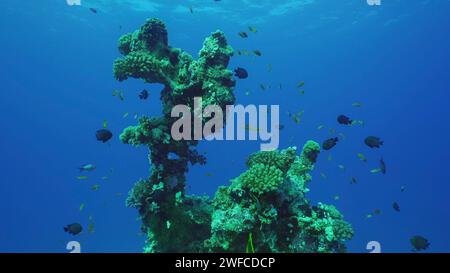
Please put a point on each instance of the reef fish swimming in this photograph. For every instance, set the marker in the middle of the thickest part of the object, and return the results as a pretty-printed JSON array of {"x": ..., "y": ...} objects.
[
  {"x": 241, "y": 73},
  {"x": 143, "y": 95},
  {"x": 103, "y": 135},
  {"x": 87, "y": 168},
  {"x": 419, "y": 243},
  {"x": 344, "y": 120},
  {"x": 373, "y": 142},
  {"x": 329, "y": 143},
  {"x": 73, "y": 229}
]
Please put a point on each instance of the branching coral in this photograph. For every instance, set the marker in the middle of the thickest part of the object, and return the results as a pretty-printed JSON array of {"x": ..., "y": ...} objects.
[
  {"x": 266, "y": 203},
  {"x": 285, "y": 221}
]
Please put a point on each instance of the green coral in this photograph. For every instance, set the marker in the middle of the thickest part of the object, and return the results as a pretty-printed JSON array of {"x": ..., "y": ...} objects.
[
  {"x": 285, "y": 221},
  {"x": 262, "y": 178}
]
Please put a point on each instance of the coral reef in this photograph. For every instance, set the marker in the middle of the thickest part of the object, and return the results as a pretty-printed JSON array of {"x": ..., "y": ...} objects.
[
  {"x": 268, "y": 201},
  {"x": 265, "y": 205}
]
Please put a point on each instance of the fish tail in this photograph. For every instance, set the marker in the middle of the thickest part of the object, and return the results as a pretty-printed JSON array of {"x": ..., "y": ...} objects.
[{"x": 66, "y": 229}]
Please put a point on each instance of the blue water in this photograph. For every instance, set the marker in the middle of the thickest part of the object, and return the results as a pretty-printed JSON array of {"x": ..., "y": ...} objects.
[{"x": 56, "y": 83}]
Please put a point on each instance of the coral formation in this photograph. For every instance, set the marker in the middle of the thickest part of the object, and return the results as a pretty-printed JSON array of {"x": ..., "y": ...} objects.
[{"x": 265, "y": 205}]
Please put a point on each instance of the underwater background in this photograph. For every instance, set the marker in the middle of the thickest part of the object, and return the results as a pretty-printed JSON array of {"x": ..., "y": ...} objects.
[{"x": 56, "y": 85}]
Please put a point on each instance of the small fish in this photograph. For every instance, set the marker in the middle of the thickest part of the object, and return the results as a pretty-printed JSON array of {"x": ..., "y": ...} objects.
[
  {"x": 341, "y": 167},
  {"x": 95, "y": 187},
  {"x": 247, "y": 93},
  {"x": 358, "y": 122},
  {"x": 329, "y": 143},
  {"x": 377, "y": 211},
  {"x": 125, "y": 115},
  {"x": 301, "y": 92},
  {"x": 82, "y": 205},
  {"x": 382, "y": 166},
  {"x": 396, "y": 206},
  {"x": 257, "y": 53},
  {"x": 191, "y": 10},
  {"x": 362, "y": 157},
  {"x": 252, "y": 29},
  {"x": 82, "y": 177},
  {"x": 119, "y": 94},
  {"x": 243, "y": 34},
  {"x": 239, "y": 53},
  {"x": 87, "y": 168},
  {"x": 369, "y": 215},
  {"x": 168, "y": 224},
  {"x": 320, "y": 127},
  {"x": 73, "y": 229},
  {"x": 300, "y": 84},
  {"x": 241, "y": 73},
  {"x": 103, "y": 135},
  {"x": 262, "y": 86},
  {"x": 337, "y": 198},
  {"x": 419, "y": 243},
  {"x": 143, "y": 95},
  {"x": 105, "y": 124},
  {"x": 91, "y": 228},
  {"x": 357, "y": 104},
  {"x": 378, "y": 170},
  {"x": 344, "y": 120},
  {"x": 93, "y": 10},
  {"x": 353, "y": 181},
  {"x": 373, "y": 142},
  {"x": 402, "y": 188}
]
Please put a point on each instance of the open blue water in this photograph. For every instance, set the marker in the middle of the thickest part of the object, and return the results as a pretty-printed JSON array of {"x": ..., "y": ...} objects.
[{"x": 55, "y": 92}]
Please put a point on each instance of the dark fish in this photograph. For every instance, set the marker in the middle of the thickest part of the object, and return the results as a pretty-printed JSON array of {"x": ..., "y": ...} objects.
[
  {"x": 143, "y": 95},
  {"x": 243, "y": 34},
  {"x": 395, "y": 206},
  {"x": 103, "y": 135},
  {"x": 344, "y": 120},
  {"x": 329, "y": 143},
  {"x": 419, "y": 243},
  {"x": 73, "y": 229},
  {"x": 257, "y": 53},
  {"x": 373, "y": 142},
  {"x": 93, "y": 10},
  {"x": 241, "y": 73},
  {"x": 382, "y": 166}
]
